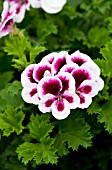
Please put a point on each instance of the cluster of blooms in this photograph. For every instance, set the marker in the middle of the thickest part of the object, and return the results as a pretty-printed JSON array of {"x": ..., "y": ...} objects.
[
  {"x": 14, "y": 11},
  {"x": 61, "y": 82}
]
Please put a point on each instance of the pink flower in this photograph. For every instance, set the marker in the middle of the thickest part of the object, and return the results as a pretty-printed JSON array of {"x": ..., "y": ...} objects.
[
  {"x": 20, "y": 6},
  {"x": 57, "y": 94},
  {"x": 7, "y": 22},
  {"x": 49, "y": 6}
]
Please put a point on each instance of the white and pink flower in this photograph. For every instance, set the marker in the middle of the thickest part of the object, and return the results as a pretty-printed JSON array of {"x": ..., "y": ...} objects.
[
  {"x": 7, "y": 21},
  {"x": 61, "y": 82}
]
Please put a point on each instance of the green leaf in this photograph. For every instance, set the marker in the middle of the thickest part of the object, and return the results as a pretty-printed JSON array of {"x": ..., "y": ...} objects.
[
  {"x": 40, "y": 126},
  {"x": 74, "y": 2},
  {"x": 106, "y": 115},
  {"x": 74, "y": 131},
  {"x": 5, "y": 78},
  {"x": 35, "y": 51},
  {"x": 43, "y": 151},
  {"x": 98, "y": 36},
  {"x": 94, "y": 108},
  {"x": 14, "y": 88},
  {"x": 10, "y": 96},
  {"x": 16, "y": 46},
  {"x": 106, "y": 63},
  {"x": 11, "y": 121},
  {"x": 44, "y": 29}
]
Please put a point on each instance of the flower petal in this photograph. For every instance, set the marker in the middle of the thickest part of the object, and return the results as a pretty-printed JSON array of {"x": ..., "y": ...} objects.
[
  {"x": 72, "y": 98},
  {"x": 52, "y": 7},
  {"x": 50, "y": 58},
  {"x": 68, "y": 82},
  {"x": 41, "y": 70},
  {"x": 88, "y": 87},
  {"x": 46, "y": 103},
  {"x": 99, "y": 83},
  {"x": 60, "y": 109},
  {"x": 81, "y": 75},
  {"x": 49, "y": 85},
  {"x": 35, "y": 3},
  {"x": 68, "y": 68},
  {"x": 59, "y": 62},
  {"x": 27, "y": 76},
  {"x": 29, "y": 93},
  {"x": 85, "y": 101}
]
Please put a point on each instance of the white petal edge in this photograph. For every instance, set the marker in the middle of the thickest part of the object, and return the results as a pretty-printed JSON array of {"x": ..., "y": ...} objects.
[{"x": 88, "y": 101}]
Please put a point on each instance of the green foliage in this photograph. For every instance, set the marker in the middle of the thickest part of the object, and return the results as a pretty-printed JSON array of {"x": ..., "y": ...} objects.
[
  {"x": 106, "y": 63},
  {"x": 11, "y": 95},
  {"x": 106, "y": 115},
  {"x": 5, "y": 78},
  {"x": 11, "y": 121},
  {"x": 74, "y": 131},
  {"x": 43, "y": 150},
  {"x": 85, "y": 136}
]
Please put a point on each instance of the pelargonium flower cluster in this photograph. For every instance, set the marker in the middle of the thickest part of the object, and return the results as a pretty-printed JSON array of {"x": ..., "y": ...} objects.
[
  {"x": 61, "y": 82},
  {"x": 14, "y": 11}
]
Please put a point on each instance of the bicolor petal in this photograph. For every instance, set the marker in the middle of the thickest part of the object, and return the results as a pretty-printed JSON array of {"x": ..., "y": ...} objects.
[
  {"x": 27, "y": 76},
  {"x": 49, "y": 58},
  {"x": 49, "y": 85},
  {"x": 72, "y": 98},
  {"x": 68, "y": 68},
  {"x": 85, "y": 101},
  {"x": 7, "y": 22},
  {"x": 59, "y": 62},
  {"x": 29, "y": 93},
  {"x": 60, "y": 109},
  {"x": 46, "y": 103},
  {"x": 42, "y": 70},
  {"x": 68, "y": 82}
]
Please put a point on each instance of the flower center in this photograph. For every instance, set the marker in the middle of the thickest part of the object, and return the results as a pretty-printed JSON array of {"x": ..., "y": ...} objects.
[
  {"x": 60, "y": 99},
  {"x": 77, "y": 91}
]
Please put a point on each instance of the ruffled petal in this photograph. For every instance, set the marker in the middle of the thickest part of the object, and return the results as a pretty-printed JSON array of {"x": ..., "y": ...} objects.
[
  {"x": 46, "y": 103},
  {"x": 59, "y": 62},
  {"x": 49, "y": 58},
  {"x": 42, "y": 70},
  {"x": 49, "y": 85},
  {"x": 88, "y": 87},
  {"x": 60, "y": 109},
  {"x": 27, "y": 76},
  {"x": 81, "y": 75},
  {"x": 73, "y": 99},
  {"x": 68, "y": 82},
  {"x": 35, "y": 3},
  {"x": 99, "y": 83}
]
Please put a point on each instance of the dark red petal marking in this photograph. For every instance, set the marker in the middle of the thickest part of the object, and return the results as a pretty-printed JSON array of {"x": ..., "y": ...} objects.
[
  {"x": 30, "y": 75},
  {"x": 85, "y": 89},
  {"x": 39, "y": 73},
  {"x": 82, "y": 99},
  {"x": 80, "y": 75},
  {"x": 52, "y": 87},
  {"x": 60, "y": 106},
  {"x": 49, "y": 102},
  {"x": 33, "y": 91},
  {"x": 78, "y": 60},
  {"x": 59, "y": 63},
  {"x": 65, "y": 83},
  {"x": 69, "y": 98}
]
